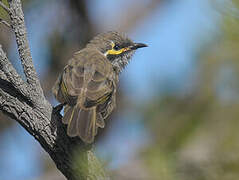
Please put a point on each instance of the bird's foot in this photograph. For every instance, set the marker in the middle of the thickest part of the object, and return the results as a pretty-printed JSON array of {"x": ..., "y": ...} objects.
[{"x": 58, "y": 108}]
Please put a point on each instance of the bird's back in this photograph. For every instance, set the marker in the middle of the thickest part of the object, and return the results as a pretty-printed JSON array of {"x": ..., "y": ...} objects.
[{"x": 88, "y": 75}]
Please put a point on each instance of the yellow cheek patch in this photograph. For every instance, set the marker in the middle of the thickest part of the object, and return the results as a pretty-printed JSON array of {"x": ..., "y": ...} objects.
[{"x": 116, "y": 52}]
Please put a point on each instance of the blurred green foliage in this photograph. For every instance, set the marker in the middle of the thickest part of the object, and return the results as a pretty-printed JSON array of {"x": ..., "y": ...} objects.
[
  {"x": 3, "y": 13},
  {"x": 195, "y": 136}
]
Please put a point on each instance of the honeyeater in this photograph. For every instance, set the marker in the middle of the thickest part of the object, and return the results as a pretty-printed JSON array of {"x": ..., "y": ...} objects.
[{"x": 88, "y": 84}]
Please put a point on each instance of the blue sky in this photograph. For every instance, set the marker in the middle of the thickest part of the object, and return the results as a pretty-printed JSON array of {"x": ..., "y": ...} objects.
[{"x": 174, "y": 34}]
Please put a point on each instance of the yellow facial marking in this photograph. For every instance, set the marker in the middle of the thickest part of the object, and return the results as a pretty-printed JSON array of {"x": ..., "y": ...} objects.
[{"x": 116, "y": 52}]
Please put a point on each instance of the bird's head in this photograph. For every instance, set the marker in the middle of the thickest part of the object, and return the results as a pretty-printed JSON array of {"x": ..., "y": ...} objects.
[{"x": 116, "y": 47}]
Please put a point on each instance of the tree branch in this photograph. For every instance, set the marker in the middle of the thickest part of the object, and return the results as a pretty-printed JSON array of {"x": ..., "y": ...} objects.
[
  {"x": 25, "y": 102},
  {"x": 18, "y": 26},
  {"x": 5, "y": 23},
  {"x": 11, "y": 75},
  {"x": 52, "y": 136}
]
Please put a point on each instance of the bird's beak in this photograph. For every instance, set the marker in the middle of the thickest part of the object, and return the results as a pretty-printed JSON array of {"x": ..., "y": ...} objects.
[{"x": 138, "y": 45}]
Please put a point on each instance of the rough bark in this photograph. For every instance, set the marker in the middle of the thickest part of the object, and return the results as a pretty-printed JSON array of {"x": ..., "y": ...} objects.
[{"x": 25, "y": 102}]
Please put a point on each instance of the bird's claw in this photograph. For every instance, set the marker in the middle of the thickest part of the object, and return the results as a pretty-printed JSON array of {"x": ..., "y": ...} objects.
[{"x": 58, "y": 108}]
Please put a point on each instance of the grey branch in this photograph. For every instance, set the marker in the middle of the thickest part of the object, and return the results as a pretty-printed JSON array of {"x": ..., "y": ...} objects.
[
  {"x": 18, "y": 25},
  {"x": 25, "y": 103},
  {"x": 5, "y": 22},
  {"x": 11, "y": 75}
]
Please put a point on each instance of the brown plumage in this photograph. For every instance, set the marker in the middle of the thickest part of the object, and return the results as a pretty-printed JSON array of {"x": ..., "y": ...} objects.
[{"x": 88, "y": 83}]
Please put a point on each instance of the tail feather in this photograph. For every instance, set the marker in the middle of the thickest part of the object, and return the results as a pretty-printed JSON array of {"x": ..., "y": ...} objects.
[
  {"x": 80, "y": 122},
  {"x": 72, "y": 129},
  {"x": 87, "y": 125}
]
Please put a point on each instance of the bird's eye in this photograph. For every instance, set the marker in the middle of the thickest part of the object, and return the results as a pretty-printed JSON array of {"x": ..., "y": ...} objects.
[{"x": 116, "y": 47}]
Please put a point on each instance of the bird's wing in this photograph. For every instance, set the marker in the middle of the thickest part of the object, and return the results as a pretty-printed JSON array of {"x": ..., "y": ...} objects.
[
  {"x": 89, "y": 77},
  {"x": 87, "y": 81}
]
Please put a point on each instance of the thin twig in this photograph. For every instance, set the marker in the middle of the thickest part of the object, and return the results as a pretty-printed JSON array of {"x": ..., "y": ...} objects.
[
  {"x": 5, "y": 22},
  {"x": 4, "y": 7}
]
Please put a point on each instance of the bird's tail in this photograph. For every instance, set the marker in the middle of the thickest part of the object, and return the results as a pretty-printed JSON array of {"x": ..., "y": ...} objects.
[{"x": 80, "y": 122}]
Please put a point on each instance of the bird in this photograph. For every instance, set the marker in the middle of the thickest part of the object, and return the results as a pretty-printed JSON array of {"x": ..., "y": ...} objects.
[{"x": 88, "y": 83}]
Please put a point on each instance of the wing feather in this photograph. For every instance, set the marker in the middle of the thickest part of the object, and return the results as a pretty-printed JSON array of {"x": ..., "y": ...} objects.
[
  {"x": 88, "y": 75},
  {"x": 87, "y": 85}
]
